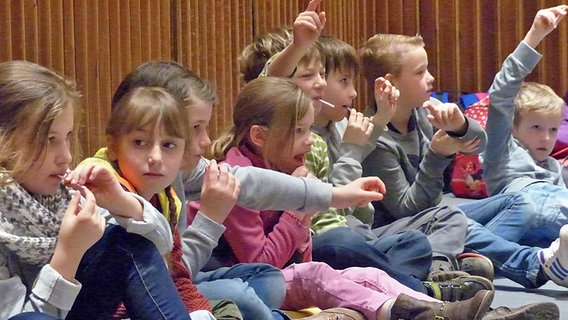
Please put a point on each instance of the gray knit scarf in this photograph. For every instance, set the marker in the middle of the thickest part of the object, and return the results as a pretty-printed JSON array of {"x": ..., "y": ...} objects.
[{"x": 29, "y": 223}]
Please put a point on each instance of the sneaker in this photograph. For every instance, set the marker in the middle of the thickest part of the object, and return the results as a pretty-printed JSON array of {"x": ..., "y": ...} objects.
[
  {"x": 537, "y": 311},
  {"x": 441, "y": 264},
  {"x": 458, "y": 289},
  {"x": 476, "y": 265},
  {"x": 337, "y": 314},
  {"x": 554, "y": 259},
  {"x": 439, "y": 276}
]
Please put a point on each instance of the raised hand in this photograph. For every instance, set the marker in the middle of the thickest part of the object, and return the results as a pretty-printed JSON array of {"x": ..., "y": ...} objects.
[
  {"x": 358, "y": 192},
  {"x": 358, "y": 129},
  {"x": 446, "y": 116},
  {"x": 219, "y": 192},
  {"x": 386, "y": 98},
  {"x": 445, "y": 145},
  {"x": 544, "y": 22},
  {"x": 308, "y": 25}
]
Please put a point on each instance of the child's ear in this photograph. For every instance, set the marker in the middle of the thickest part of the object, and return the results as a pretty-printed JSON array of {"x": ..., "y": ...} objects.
[
  {"x": 515, "y": 131},
  {"x": 111, "y": 148},
  {"x": 257, "y": 135}
]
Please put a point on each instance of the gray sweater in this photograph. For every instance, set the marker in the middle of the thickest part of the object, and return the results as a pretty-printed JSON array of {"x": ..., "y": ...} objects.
[
  {"x": 260, "y": 189},
  {"x": 411, "y": 171},
  {"x": 507, "y": 165}
]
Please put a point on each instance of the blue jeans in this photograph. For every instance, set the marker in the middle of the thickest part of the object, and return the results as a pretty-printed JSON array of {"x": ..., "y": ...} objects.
[
  {"x": 501, "y": 221},
  {"x": 125, "y": 267},
  {"x": 510, "y": 215},
  {"x": 342, "y": 248},
  {"x": 258, "y": 289},
  {"x": 510, "y": 259},
  {"x": 32, "y": 316},
  {"x": 551, "y": 203}
]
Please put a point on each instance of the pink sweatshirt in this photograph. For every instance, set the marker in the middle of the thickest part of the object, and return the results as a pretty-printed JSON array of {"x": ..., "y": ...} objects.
[{"x": 273, "y": 237}]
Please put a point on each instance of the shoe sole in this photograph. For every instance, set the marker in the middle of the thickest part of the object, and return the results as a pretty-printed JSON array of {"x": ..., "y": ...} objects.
[{"x": 535, "y": 311}]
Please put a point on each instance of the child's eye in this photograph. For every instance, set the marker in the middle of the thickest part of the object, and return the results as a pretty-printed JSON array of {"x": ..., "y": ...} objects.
[
  {"x": 554, "y": 129},
  {"x": 169, "y": 145},
  {"x": 139, "y": 142},
  {"x": 50, "y": 139}
]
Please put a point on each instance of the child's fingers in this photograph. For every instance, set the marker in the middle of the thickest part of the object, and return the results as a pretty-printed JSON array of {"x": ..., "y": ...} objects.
[
  {"x": 323, "y": 19},
  {"x": 395, "y": 95},
  {"x": 90, "y": 204},
  {"x": 369, "y": 129},
  {"x": 301, "y": 171},
  {"x": 223, "y": 175},
  {"x": 313, "y": 5}
]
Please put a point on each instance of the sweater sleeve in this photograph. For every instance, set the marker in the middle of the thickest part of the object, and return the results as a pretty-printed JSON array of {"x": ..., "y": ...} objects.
[
  {"x": 50, "y": 294},
  {"x": 199, "y": 240},
  {"x": 246, "y": 237},
  {"x": 499, "y": 125},
  {"x": 154, "y": 226},
  {"x": 408, "y": 192},
  {"x": 263, "y": 189}
]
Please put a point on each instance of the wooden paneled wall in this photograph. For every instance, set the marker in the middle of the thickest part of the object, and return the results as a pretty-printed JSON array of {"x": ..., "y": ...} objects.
[{"x": 97, "y": 42}]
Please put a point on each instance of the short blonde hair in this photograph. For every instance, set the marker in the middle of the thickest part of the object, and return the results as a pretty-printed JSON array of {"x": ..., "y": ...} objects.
[
  {"x": 537, "y": 97},
  {"x": 383, "y": 54}
]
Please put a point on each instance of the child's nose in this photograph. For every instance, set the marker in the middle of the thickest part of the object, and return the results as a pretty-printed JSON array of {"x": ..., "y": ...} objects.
[{"x": 155, "y": 155}]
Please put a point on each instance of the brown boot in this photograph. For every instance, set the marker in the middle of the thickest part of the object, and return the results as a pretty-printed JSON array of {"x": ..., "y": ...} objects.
[
  {"x": 406, "y": 307},
  {"x": 337, "y": 314}
]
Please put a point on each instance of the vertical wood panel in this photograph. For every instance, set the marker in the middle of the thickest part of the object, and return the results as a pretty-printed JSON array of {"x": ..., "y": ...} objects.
[{"x": 97, "y": 42}]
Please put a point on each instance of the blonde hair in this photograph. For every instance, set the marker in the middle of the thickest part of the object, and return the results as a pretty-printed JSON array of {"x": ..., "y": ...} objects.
[
  {"x": 537, "y": 97},
  {"x": 338, "y": 55},
  {"x": 272, "y": 102},
  {"x": 383, "y": 53},
  {"x": 31, "y": 97},
  {"x": 255, "y": 55}
]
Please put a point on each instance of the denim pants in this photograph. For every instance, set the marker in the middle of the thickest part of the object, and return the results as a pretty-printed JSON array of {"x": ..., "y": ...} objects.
[
  {"x": 501, "y": 221},
  {"x": 551, "y": 204},
  {"x": 125, "y": 267},
  {"x": 258, "y": 289},
  {"x": 32, "y": 316},
  {"x": 343, "y": 248},
  {"x": 510, "y": 215}
]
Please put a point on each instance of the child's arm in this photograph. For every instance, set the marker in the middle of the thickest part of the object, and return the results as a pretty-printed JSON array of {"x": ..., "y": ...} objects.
[
  {"x": 409, "y": 191},
  {"x": 82, "y": 226},
  {"x": 263, "y": 189},
  {"x": 55, "y": 288},
  {"x": 307, "y": 28},
  {"x": 220, "y": 192},
  {"x": 471, "y": 138},
  {"x": 108, "y": 192},
  {"x": 502, "y": 93},
  {"x": 129, "y": 210}
]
